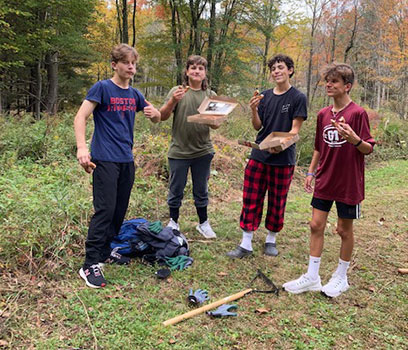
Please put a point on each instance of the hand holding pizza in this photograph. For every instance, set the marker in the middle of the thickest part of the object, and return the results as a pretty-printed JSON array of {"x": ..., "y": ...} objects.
[
  {"x": 254, "y": 101},
  {"x": 345, "y": 131}
]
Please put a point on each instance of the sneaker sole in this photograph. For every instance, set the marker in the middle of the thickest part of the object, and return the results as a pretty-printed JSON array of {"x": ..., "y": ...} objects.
[
  {"x": 298, "y": 291},
  {"x": 82, "y": 274},
  {"x": 206, "y": 236},
  {"x": 335, "y": 295}
]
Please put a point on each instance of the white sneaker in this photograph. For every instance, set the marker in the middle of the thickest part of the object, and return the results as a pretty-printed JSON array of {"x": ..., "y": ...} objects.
[
  {"x": 336, "y": 286},
  {"x": 303, "y": 284},
  {"x": 206, "y": 230},
  {"x": 174, "y": 225}
]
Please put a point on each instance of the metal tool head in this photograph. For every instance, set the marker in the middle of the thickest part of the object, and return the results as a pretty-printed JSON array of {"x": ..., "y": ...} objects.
[{"x": 272, "y": 288}]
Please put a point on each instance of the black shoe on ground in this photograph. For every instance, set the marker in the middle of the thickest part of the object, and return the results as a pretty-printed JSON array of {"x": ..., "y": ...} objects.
[
  {"x": 239, "y": 253},
  {"x": 116, "y": 258},
  {"x": 270, "y": 249},
  {"x": 93, "y": 276}
]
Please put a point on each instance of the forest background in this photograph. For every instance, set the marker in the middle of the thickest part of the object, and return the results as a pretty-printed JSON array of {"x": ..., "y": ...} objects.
[{"x": 52, "y": 51}]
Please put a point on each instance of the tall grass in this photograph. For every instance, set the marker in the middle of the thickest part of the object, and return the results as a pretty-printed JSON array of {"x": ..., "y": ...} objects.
[{"x": 46, "y": 200}]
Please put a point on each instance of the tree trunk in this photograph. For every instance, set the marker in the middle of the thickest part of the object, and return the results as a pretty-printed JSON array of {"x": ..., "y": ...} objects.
[
  {"x": 119, "y": 21},
  {"x": 265, "y": 58},
  {"x": 211, "y": 36},
  {"x": 176, "y": 32},
  {"x": 353, "y": 34},
  {"x": 134, "y": 23},
  {"x": 52, "y": 75},
  {"x": 125, "y": 28},
  {"x": 38, "y": 91}
]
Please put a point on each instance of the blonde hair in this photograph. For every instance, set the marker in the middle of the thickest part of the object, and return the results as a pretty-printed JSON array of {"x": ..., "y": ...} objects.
[{"x": 121, "y": 51}]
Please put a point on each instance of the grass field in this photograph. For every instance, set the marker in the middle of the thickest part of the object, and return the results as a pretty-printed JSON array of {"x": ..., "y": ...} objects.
[{"x": 45, "y": 305}]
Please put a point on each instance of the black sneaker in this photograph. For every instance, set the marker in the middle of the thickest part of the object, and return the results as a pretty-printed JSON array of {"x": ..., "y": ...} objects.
[
  {"x": 93, "y": 276},
  {"x": 116, "y": 258}
]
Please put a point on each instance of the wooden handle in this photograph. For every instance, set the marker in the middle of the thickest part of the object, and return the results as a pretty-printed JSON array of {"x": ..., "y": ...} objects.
[
  {"x": 205, "y": 308},
  {"x": 403, "y": 271}
]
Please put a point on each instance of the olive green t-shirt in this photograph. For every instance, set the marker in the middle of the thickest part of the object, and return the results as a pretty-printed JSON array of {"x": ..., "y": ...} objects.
[{"x": 189, "y": 140}]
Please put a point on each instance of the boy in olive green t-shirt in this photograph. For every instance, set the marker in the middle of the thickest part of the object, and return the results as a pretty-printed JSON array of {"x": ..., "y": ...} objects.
[{"x": 191, "y": 146}]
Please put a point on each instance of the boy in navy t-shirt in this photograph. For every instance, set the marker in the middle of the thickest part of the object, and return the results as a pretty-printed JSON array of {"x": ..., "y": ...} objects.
[
  {"x": 282, "y": 108},
  {"x": 342, "y": 140},
  {"x": 114, "y": 104}
]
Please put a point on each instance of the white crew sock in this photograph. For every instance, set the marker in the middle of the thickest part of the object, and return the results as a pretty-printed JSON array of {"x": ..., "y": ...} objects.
[
  {"x": 271, "y": 237},
  {"x": 342, "y": 268},
  {"x": 313, "y": 268},
  {"x": 246, "y": 242}
]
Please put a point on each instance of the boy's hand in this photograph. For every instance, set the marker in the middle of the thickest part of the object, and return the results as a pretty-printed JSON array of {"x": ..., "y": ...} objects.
[
  {"x": 179, "y": 93},
  {"x": 84, "y": 160},
  {"x": 308, "y": 183},
  {"x": 254, "y": 101},
  {"x": 151, "y": 112},
  {"x": 347, "y": 133},
  {"x": 274, "y": 150}
]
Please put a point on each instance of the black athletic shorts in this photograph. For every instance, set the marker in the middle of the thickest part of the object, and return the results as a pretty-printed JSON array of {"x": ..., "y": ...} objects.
[{"x": 344, "y": 211}]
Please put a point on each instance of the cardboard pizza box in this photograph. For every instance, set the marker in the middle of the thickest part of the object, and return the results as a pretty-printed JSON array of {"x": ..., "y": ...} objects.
[
  {"x": 213, "y": 110},
  {"x": 278, "y": 140}
]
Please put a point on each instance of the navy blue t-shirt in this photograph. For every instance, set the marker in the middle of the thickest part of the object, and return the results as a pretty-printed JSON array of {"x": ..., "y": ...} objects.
[
  {"x": 114, "y": 119},
  {"x": 277, "y": 113}
]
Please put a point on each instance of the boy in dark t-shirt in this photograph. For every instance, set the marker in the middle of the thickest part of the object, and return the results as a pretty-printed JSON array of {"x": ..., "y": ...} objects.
[
  {"x": 114, "y": 104},
  {"x": 282, "y": 108},
  {"x": 342, "y": 139}
]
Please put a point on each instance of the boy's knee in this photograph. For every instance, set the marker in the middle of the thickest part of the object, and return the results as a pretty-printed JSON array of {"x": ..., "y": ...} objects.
[
  {"x": 343, "y": 233},
  {"x": 316, "y": 227}
]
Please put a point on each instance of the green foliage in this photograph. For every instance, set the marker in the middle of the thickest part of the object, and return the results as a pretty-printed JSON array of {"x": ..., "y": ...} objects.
[
  {"x": 47, "y": 140},
  {"x": 391, "y": 135}
]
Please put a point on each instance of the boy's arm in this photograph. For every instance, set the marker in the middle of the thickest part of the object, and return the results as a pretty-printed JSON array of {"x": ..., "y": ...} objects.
[
  {"x": 84, "y": 112},
  {"x": 168, "y": 108},
  {"x": 296, "y": 125},
  {"x": 311, "y": 173}
]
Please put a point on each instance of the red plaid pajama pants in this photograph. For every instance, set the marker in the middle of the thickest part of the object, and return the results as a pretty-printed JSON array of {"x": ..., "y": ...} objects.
[{"x": 260, "y": 177}]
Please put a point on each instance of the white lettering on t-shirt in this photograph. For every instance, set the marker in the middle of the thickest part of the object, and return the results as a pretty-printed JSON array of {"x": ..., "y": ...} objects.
[
  {"x": 285, "y": 108},
  {"x": 331, "y": 136}
]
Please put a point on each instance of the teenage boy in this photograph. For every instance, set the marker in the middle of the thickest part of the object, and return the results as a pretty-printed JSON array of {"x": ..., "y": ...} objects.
[
  {"x": 282, "y": 108},
  {"x": 114, "y": 104},
  {"x": 342, "y": 139}
]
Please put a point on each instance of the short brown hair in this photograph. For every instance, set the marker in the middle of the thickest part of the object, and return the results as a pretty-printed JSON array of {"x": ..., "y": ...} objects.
[
  {"x": 119, "y": 52},
  {"x": 339, "y": 70},
  {"x": 199, "y": 60}
]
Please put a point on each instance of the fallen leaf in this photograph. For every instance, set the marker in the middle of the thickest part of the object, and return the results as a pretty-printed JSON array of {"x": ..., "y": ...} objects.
[
  {"x": 262, "y": 311},
  {"x": 40, "y": 284},
  {"x": 381, "y": 221}
]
